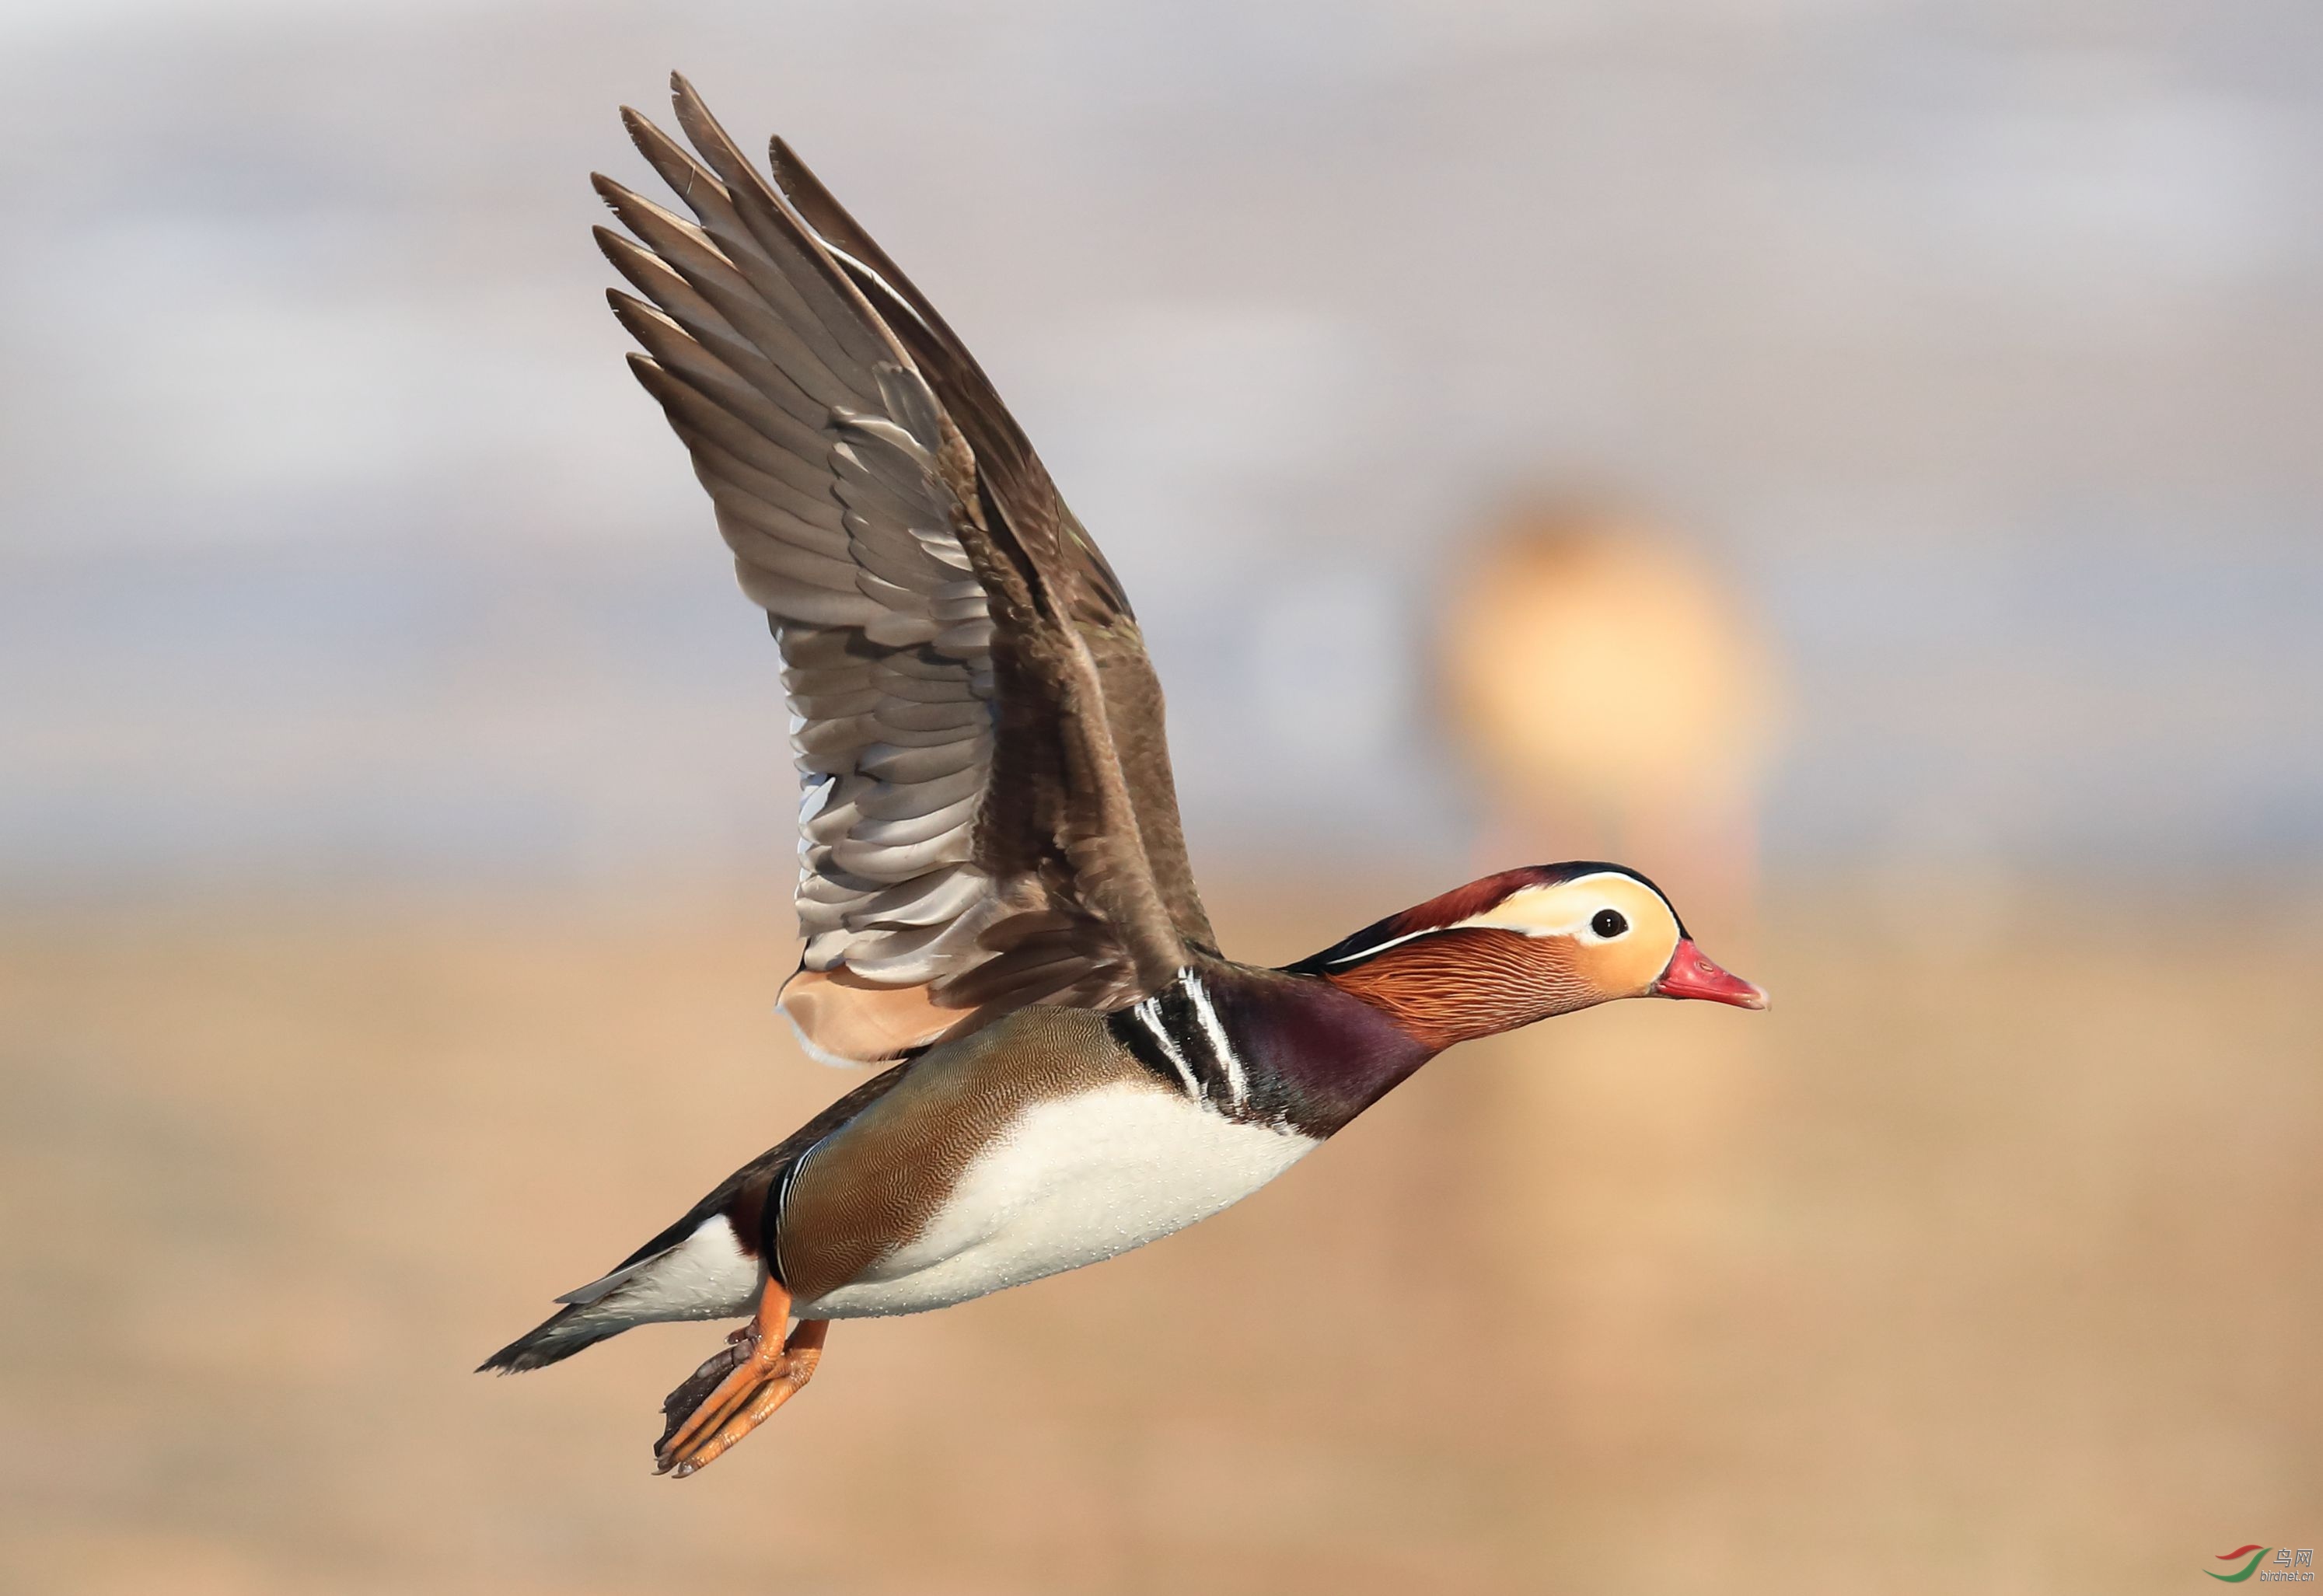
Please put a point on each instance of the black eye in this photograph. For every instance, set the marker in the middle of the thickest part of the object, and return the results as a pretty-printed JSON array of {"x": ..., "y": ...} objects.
[{"x": 1608, "y": 923}]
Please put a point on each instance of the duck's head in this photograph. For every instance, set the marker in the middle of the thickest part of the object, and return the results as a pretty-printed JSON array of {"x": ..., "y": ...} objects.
[{"x": 1524, "y": 945}]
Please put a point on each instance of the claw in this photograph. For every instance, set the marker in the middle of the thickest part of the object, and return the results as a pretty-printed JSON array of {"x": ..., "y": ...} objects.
[{"x": 681, "y": 1403}]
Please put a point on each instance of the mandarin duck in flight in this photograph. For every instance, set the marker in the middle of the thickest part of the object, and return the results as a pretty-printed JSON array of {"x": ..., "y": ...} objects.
[{"x": 994, "y": 890}]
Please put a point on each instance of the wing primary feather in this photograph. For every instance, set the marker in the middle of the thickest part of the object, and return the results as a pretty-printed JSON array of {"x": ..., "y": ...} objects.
[
  {"x": 725, "y": 474},
  {"x": 758, "y": 257},
  {"x": 684, "y": 358},
  {"x": 677, "y": 299},
  {"x": 830, "y": 221},
  {"x": 849, "y": 316},
  {"x": 689, "y": 407},
  {"x": 694, "y": 256}
]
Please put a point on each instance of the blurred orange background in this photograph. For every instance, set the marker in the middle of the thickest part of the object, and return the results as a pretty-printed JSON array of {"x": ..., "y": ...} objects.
[{"x": 1909, "y": 411}]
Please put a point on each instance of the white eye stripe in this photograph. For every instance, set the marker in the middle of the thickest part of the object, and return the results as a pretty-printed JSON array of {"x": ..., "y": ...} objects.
[
  {"x": 1383, "y": 946},
  {"x": 1473, "y": 923},
  {"x": 1515, "y": 914}
]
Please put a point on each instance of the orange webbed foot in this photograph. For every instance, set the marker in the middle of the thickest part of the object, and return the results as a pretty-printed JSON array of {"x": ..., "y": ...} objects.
[{"x": 756, "y": 1372}]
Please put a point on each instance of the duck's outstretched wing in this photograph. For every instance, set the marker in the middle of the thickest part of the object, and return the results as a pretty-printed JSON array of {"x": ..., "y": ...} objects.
[{"x": 988, "y": 818}]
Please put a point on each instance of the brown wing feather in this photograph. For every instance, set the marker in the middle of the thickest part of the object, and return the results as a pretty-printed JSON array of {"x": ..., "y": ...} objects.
[
  {"x": 989, "y": 820},
  {"x": 1094, "y": 597}
]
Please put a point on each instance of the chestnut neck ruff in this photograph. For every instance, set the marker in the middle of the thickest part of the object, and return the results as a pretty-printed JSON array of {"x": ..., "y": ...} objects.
[{"x": 1456, "y": 985}]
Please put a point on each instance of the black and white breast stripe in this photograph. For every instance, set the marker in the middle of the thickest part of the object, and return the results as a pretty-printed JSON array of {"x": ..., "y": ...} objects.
[{"x": 1177, "y": 1034}]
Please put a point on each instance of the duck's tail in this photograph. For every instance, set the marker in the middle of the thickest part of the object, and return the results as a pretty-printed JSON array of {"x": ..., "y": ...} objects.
[
  {"x": 706, "y": 1266},
  {"x": 697, "y": 1269},
  {"x": 566, "y": 1331}
]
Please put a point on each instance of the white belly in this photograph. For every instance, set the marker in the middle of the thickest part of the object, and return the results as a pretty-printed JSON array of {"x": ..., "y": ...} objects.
[{"x": 1070, "y": 1183}]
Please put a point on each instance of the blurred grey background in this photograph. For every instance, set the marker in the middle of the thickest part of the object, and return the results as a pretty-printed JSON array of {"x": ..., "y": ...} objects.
[{"x": 1978, "y": 343}]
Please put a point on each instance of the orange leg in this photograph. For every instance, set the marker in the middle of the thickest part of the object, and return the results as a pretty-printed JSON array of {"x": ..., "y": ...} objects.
[{"x": 757, "y": 1372}]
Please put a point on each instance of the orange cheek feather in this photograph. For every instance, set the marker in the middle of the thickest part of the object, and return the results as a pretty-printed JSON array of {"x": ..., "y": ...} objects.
[{"x": 1459, "y": 985}]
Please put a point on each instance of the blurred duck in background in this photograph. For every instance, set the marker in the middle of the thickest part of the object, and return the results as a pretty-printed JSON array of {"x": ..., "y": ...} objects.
[
  {"x": 994, "y": 892},
  {"x": 1611, "y": 695}
]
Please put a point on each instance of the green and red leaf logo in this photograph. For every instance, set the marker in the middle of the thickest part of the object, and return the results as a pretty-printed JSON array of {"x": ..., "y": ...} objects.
[{"x": 2254, "y": 1551}]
